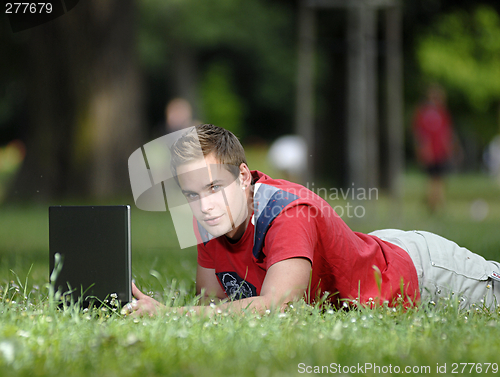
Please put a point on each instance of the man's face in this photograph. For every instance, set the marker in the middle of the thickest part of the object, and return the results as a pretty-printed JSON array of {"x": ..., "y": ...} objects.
[{"x": 214, "y": 195}]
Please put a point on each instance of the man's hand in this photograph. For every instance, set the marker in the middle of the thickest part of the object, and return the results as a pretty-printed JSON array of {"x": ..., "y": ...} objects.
[
  {"x": 143, "y": 304},
  {"x": 285, "y": 281}
]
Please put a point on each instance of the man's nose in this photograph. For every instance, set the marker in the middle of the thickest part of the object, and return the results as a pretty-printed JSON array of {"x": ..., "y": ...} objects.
[{"x": 207, "y": 203}]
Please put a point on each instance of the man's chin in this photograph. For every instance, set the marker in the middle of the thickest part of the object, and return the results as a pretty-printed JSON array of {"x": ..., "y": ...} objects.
[{"x": 217, "y": 231}]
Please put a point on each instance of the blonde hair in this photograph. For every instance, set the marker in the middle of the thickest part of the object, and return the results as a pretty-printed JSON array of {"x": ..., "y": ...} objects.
[{"x": 224, "y": 144}]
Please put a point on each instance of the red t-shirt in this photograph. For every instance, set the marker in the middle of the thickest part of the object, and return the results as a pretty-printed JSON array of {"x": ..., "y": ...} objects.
[{"x": 344, "y": 263}]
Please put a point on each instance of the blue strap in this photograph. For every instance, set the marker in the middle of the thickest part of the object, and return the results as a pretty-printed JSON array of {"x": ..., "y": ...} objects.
[{"x": 263, "y": 219}]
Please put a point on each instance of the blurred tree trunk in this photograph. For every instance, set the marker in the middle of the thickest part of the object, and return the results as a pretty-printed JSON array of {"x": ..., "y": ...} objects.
[
  {"x": 84, "y": 103},
  {"x": 186, "y": 79},
  {"x": 304, "y": 110}
]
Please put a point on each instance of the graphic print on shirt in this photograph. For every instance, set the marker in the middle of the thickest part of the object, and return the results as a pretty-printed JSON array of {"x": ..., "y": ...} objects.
[{"x": 236, "y": 288}]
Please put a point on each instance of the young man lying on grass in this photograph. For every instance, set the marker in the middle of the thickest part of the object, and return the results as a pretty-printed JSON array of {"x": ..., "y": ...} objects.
[{"x": 264, "y": 242}]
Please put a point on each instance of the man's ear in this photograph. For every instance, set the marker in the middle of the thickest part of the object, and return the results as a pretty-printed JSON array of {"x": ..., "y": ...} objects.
[{"x": 245, "y": 176}]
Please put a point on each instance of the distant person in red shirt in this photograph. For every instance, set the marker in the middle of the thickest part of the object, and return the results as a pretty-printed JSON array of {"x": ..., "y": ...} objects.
[{"x": 434, "y": 139}]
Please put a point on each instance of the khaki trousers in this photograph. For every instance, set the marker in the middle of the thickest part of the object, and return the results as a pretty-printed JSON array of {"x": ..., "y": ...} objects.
[{"x": 446, "y": 270}]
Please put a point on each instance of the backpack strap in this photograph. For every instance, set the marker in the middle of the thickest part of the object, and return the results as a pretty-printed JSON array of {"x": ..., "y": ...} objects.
[{"x": 269, "y": 202}]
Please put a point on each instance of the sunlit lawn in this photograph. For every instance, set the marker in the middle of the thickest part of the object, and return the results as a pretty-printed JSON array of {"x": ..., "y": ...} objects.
[{"x": 38, "y": 340}]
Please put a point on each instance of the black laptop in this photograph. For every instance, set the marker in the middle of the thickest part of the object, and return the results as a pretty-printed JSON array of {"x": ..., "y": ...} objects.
[{"x": 93, "y": 243}]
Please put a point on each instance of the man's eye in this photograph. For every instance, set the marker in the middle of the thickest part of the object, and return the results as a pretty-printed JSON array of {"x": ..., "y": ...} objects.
[
  {"x": 191, "y": 196},
  {"x": 215, "y": 188}
]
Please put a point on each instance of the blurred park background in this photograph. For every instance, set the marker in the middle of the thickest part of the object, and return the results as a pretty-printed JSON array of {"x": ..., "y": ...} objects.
[{"x": 79, "y": 94}]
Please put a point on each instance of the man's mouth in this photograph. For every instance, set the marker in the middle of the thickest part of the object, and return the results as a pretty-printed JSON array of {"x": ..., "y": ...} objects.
[{"x": 215, "y": 220}]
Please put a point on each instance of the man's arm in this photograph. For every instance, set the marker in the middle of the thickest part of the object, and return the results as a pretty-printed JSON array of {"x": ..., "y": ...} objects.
[
  {"x": 285, "y": 281},
  {"x": 208, "y": 285}
]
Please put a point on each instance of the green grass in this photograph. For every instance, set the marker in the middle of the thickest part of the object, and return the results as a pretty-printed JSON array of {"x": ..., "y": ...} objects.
[{"x": 38, "y": 340}]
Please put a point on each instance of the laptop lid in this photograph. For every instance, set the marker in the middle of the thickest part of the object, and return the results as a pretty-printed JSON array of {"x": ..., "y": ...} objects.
[{"x": 94, "y": 245}]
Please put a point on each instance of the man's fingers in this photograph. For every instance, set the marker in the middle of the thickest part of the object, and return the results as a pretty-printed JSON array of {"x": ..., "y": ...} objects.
[
  {"x": 127, "y": 309},
  {"x": 137, "y": 293},
  {"x": 142, "y": 304}
]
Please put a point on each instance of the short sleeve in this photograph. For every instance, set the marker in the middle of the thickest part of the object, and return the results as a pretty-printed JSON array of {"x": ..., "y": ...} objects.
[
  {"x": 292, "y": 234},
  {"x": 205, "y": 259}
]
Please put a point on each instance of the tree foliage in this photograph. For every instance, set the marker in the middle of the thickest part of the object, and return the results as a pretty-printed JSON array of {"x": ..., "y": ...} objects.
[
  {"x": 253, "y": 40},
  {"x": 462, "y": 51},
  {"x": 221, "y": 105}
]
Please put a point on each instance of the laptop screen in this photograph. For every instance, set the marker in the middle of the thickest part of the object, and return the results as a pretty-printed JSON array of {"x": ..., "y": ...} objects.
[{"x": 94, "y": 245}]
